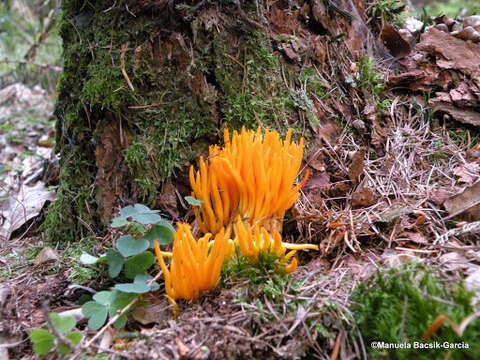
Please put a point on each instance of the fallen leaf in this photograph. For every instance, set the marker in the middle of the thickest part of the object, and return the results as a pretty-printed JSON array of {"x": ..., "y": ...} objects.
[
  {"x": 467, "y": 173},
  {"x": 467, "y": 203},
  {"x": 357, "y": 166},
  {"x": 439, "y": 195},
  {"x": 26, "y": 205},
  {"x": 421, "y": 217},
  {"x": 461, "y": 55},
  {"x": 327, "y": 132},
  {"x": 394, "y": 42},
  {"x": 182, "y": 349},
  {"x": 416, "y": 237},
  {"x": 320, "y": 180},
  {"x": 363, "y": 197}
]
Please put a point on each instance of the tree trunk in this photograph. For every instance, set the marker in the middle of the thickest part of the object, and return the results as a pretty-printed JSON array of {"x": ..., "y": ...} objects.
[{"x": 147, "y": 85}]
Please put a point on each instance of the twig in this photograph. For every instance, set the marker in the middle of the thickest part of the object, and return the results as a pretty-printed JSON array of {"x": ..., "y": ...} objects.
[
  {"x": 27, "y": 62},
  {"x": 472, "y": 228},
  {"x": 122, "y": 66},
  {"x": 246, "y": 18}
]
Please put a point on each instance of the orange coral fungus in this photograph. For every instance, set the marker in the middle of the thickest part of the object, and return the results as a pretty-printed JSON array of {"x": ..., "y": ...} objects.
[
  {"x": 251, "y": 244},
  {"x": 252, "y": 175},
  {"x": 195, "y": 265}
]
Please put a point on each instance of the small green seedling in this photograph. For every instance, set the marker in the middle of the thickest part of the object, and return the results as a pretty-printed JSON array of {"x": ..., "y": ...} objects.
[
  {"x": 44, "y": 341},
  {"x": 134, "y": 256}
]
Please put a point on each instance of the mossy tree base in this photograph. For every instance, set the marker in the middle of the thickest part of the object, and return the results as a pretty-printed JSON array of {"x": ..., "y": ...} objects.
[{"x": 148, "y": 85}]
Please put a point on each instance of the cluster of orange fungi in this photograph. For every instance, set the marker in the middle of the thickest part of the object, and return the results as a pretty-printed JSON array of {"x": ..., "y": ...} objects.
[{"x": 245, "y": 187}]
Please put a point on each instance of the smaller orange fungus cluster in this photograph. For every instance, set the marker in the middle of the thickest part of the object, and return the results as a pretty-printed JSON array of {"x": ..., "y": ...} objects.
[{"x": 195, "y": 265}]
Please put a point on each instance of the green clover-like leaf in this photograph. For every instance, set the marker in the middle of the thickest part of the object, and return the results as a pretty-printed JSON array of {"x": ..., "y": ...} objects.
[
  {"x": 192, "y": 201},
  {"x": 119, "y": 222},
  {"x": 63, "y": 324},
  {"x": 42, "y": 341},
  {"x": 140, "y": 213},
  {"x": 120, "y": 322},
  {"x": 163, "y": 232},
  {"x": 115, "y": 262},
  {"x": 129, "y": 246},
  {"x": 138, "y": 264},
  {"x": 103, "y": 297},
  {"x": 74, "y": 338},
  {"x": 88, "y": 259},
  {"x": 133, "y": 288},
  {"x": 140, "y": 285},
  {"x": 96, "y": 314}
]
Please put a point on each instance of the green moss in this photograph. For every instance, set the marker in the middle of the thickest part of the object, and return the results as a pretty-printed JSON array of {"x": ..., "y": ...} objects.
[
  {"x": 399, "y": 306},
  {"x": 253, "y": 89},
  {"x": 390, "y": 12},
  {"x": 79, "y": 274}
]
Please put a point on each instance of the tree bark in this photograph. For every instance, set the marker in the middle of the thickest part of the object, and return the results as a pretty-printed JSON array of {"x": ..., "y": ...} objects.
[{"x": 148, "y": 85}]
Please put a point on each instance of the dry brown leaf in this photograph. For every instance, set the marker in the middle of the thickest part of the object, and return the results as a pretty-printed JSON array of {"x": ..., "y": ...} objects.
[
  {"x": 467, "y": 202},
  {"x": 421, "y": 217},
  {"x": 439, "y": 195},
  {"x": 461, "y": 55},
  {"x": 320, "y": 180},
  {"x": 363, "y": 197},
  {"x": 394, "y": 42},
  {"x": 467, "y": 173},
  {"x": 182, "y": 349},
  {"x": 415, "y": 237},
  {"x": 357, "y": 166},
  {"x": 327, "y": 132},
  {"x": 332, "y": 241},
  {"x": 45, "y": 255},
  {"x": 22, "y": 207}
]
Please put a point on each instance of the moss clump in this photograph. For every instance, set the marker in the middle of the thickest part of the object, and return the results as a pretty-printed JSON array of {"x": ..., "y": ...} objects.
[
  {"x": 254, "y": 92},
  {"x": 399, "y": 306}
]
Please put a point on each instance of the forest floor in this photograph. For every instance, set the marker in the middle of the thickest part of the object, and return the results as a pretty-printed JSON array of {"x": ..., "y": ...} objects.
[{"x": 398, "y": 231}]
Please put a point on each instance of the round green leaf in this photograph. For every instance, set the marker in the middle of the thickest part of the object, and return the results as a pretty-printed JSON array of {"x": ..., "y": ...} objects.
[
  {"x": 138, "y": 264},
  {"x": 140, "y": 213},
  {"x": 136, "y": 288},
  {"x": 144, "y": 279},
  {"x": 163, "y": 232},
  {"x": 63, "y": 349},
  {"x": 119, "y": 222},
  {"x": 98, "y": 319},
  {"x": 121, "y": 299},
  {"x": 42, "y": 341},
  {"x": 115, "y": 263},
  {"x": 129, "y": 246},
  {"x": 192, "y": 201},
  {"x": 96, "y": 314},
  {"x": 120, "y": 322},
  {"x": 103, "y": 297},
  {"x": 88, "y": 259},
  {"x": 128, "y": 211},
  {"x": 147, "y": 218},
  {"x": 62, "y": 324},
  {"x": 75, "y": 337}
]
